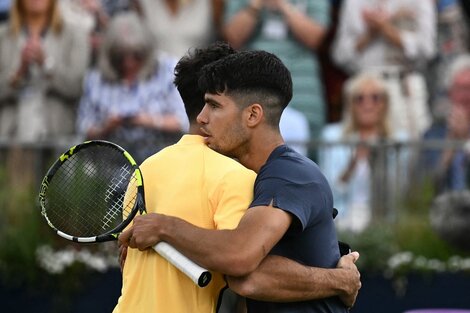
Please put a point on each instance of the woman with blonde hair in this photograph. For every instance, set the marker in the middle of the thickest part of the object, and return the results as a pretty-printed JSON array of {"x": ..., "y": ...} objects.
[
  {"x": 350, "y": 163},
  {"x": 42, "y": 63}
]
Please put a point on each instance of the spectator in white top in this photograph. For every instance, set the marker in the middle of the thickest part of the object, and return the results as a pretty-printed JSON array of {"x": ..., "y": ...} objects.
[{"x": 396, "y": 38}]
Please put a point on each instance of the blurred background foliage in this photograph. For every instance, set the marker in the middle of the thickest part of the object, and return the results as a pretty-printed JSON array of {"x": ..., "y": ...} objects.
[{"x": 392, "y": 247}]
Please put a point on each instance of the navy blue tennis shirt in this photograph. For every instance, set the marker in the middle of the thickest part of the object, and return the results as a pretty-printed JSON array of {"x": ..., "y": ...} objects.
[{"x": 295, "y": 184}]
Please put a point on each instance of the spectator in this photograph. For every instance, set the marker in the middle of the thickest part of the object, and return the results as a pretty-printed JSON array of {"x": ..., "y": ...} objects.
[
  {"x": 396, "y": 38},
  {"x": 42, "y": 63},
  {"x": 350, "y": 169},
  {"x": 450, "y": 166},
  {"x": 182, "y": 24},
  {"x": 130, "y": 98},
  {"x": 293, "y": 30},
  {"x": 452, "y": 37}
]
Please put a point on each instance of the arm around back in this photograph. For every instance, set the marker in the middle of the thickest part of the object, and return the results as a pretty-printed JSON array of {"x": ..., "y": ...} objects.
[{"x": 283, "y": 280}]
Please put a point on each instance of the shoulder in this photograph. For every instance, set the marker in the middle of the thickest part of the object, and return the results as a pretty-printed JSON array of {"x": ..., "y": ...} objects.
[
  {"x": 436, "y": 131},
  {"x": 224, "y": 164},
  {"x": 165, "y": 60},
  {"x": 93, "y": 79},
  {"x": 290, "y": 166}
]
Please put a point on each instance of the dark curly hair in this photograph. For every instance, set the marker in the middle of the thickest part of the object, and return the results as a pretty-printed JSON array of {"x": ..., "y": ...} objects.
[
  {"x": 251, "y": 77},
  {"x": 187, "y": 74}
]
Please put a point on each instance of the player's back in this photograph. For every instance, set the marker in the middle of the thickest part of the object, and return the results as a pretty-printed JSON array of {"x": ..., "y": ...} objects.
[{"x": 190, "y": 181}]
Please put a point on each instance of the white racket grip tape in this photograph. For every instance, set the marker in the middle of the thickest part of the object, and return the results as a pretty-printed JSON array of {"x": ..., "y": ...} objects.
[{"x": 199, "y": 275}]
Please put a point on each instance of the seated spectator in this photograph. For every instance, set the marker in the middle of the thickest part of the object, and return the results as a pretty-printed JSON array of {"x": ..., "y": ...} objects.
[
  {"x": 130, "y": 98},
  {"x": 42, "y": 63},
  {"x": 293, "y": 30},
  {"x": 350, "y": 169},
  {"x": 397, "y": 39},
  {"x": 450, "y": 165},
  {"x": 179, "y": 25}
]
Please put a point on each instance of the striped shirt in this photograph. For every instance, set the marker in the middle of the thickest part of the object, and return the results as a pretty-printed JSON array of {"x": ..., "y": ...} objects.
[{"x": 156, "y": 96}]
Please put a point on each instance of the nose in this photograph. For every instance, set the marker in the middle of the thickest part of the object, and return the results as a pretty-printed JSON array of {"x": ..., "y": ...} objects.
[{"x": 202, "y": 116}]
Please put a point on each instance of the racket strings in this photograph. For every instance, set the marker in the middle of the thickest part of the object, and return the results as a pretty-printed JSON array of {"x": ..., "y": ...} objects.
[{"x": 92, "y": 192}]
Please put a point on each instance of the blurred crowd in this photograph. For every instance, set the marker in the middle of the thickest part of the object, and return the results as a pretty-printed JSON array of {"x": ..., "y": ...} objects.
[{"x": 365, "y": 72}]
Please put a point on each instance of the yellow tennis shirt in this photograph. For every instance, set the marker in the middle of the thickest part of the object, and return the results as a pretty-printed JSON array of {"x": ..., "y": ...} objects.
[{"x": 190, "y": 181}]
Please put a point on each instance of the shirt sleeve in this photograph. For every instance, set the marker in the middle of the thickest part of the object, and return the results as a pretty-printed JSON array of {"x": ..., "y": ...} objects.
[
  {"x": 233, "y": 196},
  {"x": 303, "y": 201},
  {"x": 421, "y": 42},
  {"x": 350, "y": 27}
]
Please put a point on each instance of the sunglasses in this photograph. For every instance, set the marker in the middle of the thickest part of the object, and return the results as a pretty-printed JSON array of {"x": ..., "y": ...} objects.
[
  {"x": 374, "y": 98},
  {"x": 118, "y": 56}
]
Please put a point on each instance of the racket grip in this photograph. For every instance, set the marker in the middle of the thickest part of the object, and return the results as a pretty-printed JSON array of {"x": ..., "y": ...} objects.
[{"x": 199, "y": 275}]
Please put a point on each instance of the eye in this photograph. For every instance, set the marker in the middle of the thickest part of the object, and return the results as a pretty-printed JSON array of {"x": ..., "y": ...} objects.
[{"x": 212, "y": 105}]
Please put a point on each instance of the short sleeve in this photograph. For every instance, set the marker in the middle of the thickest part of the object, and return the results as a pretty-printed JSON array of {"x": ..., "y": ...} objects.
[
  {"x": 234, "y": 195},
  {"x": 304, "y": 201}
]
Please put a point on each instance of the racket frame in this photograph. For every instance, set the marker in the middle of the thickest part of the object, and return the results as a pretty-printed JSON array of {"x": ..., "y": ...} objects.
[{"x": 139, "y": 205}]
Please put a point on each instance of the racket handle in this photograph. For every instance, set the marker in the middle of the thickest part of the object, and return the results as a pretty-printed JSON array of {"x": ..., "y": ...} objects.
[{"x": 199, "y": 275}]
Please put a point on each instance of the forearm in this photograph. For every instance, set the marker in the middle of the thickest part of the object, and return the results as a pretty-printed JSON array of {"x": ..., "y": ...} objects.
[
  {"x": 307, "y": 31},
  {"x": 223, "y": 251},
  {"x": 363, "y": 41},
  {"x": 391, "y": 34},
  {"x": 241, "y": 26},
  {"x": 282, "y": 280}
]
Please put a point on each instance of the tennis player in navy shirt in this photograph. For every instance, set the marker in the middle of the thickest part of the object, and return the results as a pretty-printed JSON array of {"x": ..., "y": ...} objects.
[
  {"x": 291, "y": 213},
  {"x": 295, "y": 184}
]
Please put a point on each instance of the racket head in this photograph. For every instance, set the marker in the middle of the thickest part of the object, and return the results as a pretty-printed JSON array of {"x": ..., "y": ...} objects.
[{"x": 92, "y": 192}]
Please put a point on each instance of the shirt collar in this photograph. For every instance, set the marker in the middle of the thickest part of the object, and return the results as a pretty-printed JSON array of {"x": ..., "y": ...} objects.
[{"x": 191, "y": 139}]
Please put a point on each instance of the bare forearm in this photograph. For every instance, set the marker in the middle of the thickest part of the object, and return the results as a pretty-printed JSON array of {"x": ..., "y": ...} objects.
[
  {"x": 235, "y": 252},
  {"x": 363, "y": 41},
  {"x": 203, "y": 246},
  {"x": 282, "y": 280},
  {"x": 391, "y": 34},
  {"x": 306, "y": 30}
]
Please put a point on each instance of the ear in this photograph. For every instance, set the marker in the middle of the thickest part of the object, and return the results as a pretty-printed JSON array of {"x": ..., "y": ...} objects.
[{"x": 254, "y": 114}]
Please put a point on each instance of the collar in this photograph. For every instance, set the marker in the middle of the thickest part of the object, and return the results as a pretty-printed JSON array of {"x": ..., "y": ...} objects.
[{"x": 191, "y": 139}]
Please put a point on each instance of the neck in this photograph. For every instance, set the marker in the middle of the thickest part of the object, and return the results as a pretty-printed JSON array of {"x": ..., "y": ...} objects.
[
  {"x": 195, "y": 129},
  {"x": 260, "y": 148}
]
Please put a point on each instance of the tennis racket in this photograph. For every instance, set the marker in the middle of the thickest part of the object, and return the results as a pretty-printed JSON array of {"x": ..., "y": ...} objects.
[{"x": 93, "y": 191}]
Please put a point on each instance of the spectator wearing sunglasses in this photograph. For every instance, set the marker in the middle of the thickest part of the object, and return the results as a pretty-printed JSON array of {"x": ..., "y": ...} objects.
[
  {"x": 129, "y": 98},
  {"x": 351, "y": 159},
  {"x": 397, "y": 39}
]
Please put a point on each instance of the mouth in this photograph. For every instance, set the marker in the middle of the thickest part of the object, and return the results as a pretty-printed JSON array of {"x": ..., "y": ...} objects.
[{"x": 204, "y": 132}]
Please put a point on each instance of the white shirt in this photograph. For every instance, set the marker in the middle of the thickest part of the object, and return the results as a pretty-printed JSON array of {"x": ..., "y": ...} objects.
[{"x": 417, "y": 27}]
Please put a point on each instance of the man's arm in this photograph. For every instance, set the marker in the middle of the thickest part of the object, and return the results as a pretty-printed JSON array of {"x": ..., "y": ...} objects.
[
  {"x": 232, "y": 252},
  {"x": 283, "y": 280}
]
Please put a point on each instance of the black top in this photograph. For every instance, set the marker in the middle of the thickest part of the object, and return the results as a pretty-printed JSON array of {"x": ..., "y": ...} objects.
[{"x": 296, "y": 185}]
